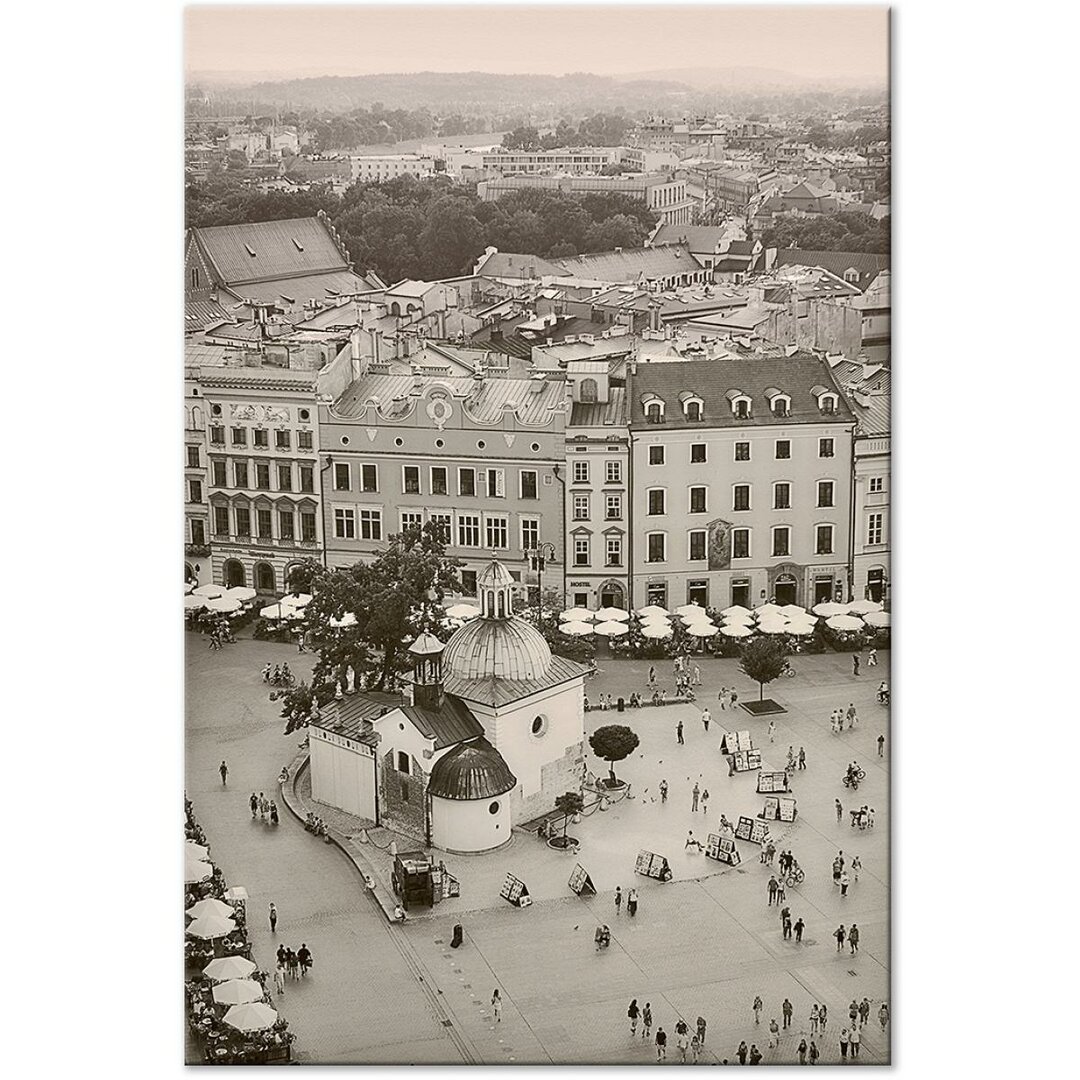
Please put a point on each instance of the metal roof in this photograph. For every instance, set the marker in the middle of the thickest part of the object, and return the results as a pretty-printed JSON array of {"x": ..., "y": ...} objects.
[
  {"x": 610, "y": 413},
  {"x": 473, "y": 770},
  {"x": 498, "y": 692},
  {"x": 450, "y": 724},
  {"x": 497, "y": 648},
  {"x": 670, "y": 260}
]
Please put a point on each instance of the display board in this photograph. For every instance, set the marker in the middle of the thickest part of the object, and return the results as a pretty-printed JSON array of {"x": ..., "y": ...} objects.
[
  {"x": 580, "y": 882},
  {"x": 723, "y": 849},
  {"x": 788, "y": 810},
  {"x": 734, "y": 741},
  {"x": 772, "y": 809},
  {"x": 768, "y": 782},
  {"x": 515, "y": 891},
  {"x": 778, "y": 808},
  {"x": 747, "y": 760},
  {"x": 649, "y": 864},
  {"x": 757, "y": 832}
]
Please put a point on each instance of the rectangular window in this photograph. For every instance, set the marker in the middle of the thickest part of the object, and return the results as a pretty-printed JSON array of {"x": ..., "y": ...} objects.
[
  {"x": 783, "y": 449},
  {"x": 656, "y": 455},
  {"x": 581, "y": 472},
  {"x": 613, "y": 472},
  {"x": 823, "y": 543},
  {"x": 239, "y": 436},
  {"x": 581, "y": 507},
  {"x": 262, "y": 476},
  {"x": 873, "y": 528},
  {"x": 581, "y": 551},
  {"x": 303, "y": 440},
  {"x": 466, "y": 481},
  {"x": 307, "y": 478},
  {"x": 877, "y": 483},
  {"x": 193, "y": 458},
  {"x": 656, "y": 593},
  {"x": 221, "y": 520},
  {"x": 264, "y": 522},
  {"x": 528, "y": 484},
  {"x": 444, "y": 525},
  {"x": 307, "y": 525},
  {"x": 371, "y": 524},
  {"x": 412, "y": 519},
  {"x": 613, "y": 507},
  {"x": 469, "y": 530},
  {"x": 217, "y": 474},
  {"x": 742, "y": 451},
  {"x": 781, "y": 541},
  {"x": 217, "y": 435},
  {"x": 410, "y": 479},
  {"x": 698, "y": 500},
  {"x": 530, "y": 533},
  {"x": 496, "y": 533},
  {"x": 369, "y": 478},
  {"x": 782, "y": 496},
  {"x": 657, "y": 547},
  {"x": 403, "y": 762},
  {"x": 496, "y": 483},
  {"x": 240, "y": 474},
  {"x": 198, "y": 531},
  {"x": 825, "y": 490},
  {"x": 344, "y": 523},
  {"x": 243, "y": 521},
  {"x": 342, "y": 480},
  {"x": 741, "y": 497},
  {"x": 825, "y": 448},
  {"x": 468, "y": 582},
  {"x": 697, "y": 452},
  {"x": 260, "y": 437},
  {"x": 740, "y": 543},
  {"x": 195, "y": 491},
  {"x": 286, "y": 525},
  {"x": 614, "y": 551},
  {"x": 284, "y": 477},
  {"x": 438, "y": 480},
  {"x": 697, "y": 544},
  {"x": 282, "y": 440},
  {"x": 656, "y": 500},
  {"x": 740, "y": 592}
]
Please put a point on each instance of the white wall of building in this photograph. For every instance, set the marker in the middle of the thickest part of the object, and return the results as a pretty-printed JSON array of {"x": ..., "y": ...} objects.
[
  {"x": 469, "y": 826},
  {"x": 342, "y": 773}
]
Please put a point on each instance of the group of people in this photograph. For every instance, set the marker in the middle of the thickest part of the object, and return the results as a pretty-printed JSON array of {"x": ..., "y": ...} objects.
[
  {"x": 295, "y": 965},
  {"x": 315, "y": 824},
  {"x": 838, "y": 716},
  {"x": 631, "y": 901},
  {"x": 263, "y": 808},
  {"x": 220, "y": 633},
  {"x": 279, "y": 675},
  {"x": 686, "y": 1042}
]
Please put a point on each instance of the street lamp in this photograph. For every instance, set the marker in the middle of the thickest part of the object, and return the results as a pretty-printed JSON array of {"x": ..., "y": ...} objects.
[{"x": 539, "y": 557}]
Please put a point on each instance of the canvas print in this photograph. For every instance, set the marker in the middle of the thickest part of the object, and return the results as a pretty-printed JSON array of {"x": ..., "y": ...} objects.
[{"x": 537, "y": 582}]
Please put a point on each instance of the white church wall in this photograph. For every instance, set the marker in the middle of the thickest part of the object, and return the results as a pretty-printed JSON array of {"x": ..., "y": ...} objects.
[
  {"x": 464, "y": 827},
  {"x": 342, "y": 773}
]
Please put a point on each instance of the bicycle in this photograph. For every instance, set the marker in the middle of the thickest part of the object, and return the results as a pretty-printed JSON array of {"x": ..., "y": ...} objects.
[{"x": 796, "y": 875}]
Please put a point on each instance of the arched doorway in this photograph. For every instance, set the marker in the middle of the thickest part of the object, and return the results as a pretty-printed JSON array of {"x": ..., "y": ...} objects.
[
  {"x": 612, "y": 594},
  {"x": 233, "y": 572},
  {"x": 785, "y": 589},
  {"x": 264, "y": 578},
  {"x": 875, "y": 584},
  {"x": 189, "y": 573}
]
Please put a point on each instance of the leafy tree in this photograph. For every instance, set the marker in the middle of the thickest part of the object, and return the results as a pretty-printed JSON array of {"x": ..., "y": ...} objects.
[
  {"x": 569, "y": 803},
  {"x": 613, "y": 742},
  {"x": 522, "y": 138},
  {"x": 451, "y": 239},
  {"x": 763, "y": 660}
]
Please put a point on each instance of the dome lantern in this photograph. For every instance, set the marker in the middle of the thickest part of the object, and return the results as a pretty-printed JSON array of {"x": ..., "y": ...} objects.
[
  {"x": 495, "y": 586},
  {"x": 427, "y": 675}
]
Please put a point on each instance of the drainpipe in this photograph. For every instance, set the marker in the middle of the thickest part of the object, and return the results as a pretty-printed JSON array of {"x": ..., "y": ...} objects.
[
  {"x": 630, "y": 516},
  {"x": 322, "y": 524},
  {"x": 851, "y": 521},
  {"x": 555, "y": 469}
]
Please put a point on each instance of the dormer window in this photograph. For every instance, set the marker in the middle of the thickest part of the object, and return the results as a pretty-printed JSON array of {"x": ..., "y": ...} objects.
[
  {"x": 827, "y": 400},
  {"x": 654, "y": 408},
  {"x": 692, "y": 406},
  {"x": 779, "y": 402},
  {"x": 851, "y": 276},
  {"x": 740, "y": 404}
]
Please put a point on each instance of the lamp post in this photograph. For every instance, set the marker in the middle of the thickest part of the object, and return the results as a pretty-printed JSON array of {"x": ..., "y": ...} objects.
[{"x": 539, "y": 557}]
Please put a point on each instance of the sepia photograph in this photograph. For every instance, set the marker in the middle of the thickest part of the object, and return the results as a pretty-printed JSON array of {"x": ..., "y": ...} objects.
[{"x": 537, "y": 517}]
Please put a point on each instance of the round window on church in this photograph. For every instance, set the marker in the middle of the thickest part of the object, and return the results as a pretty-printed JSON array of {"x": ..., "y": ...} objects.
[
  {"x": 494, "y": 807},
  {"x": 539, "y": 726}
]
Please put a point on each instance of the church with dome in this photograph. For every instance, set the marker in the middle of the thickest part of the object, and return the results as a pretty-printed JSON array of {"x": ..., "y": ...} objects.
[{"x": 492, "y": 733}]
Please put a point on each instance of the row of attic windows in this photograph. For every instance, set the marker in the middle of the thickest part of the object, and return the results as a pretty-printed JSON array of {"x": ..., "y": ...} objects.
[{"x": 693, "y": 408}]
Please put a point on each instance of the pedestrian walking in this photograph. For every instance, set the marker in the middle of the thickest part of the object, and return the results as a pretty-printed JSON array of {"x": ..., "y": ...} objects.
[
  {"x": 883, "y": 1016},
  {"x": 772, "y": 731},
  {"x": 279, "y": 979},
  {"x": 631, "y": 903},
  {"x": 694, "y": 796},
  {"x": 695, "y": 1048},
  {"x": 264, "y": 806},
  {"x": 774, "y": 1034},
  {"x": 722, "y": 697},
  {"x": 855, "y": 664},
  {"x": 843, "y": 1044},
  {"x": 815, "y": 1053},
  {"x": 755, "y": 1054},
  {"x": 682, "y": 1040},
  {"x": 697, "y": 675},
  {"x": 781, "y": 893},
  {"x": 791, "y": 757},
  {"x": 802, "y": 758},
  {"x": 646, "y": 1021},
  {"x": 663, "y": 791},
  {"x": 864, "y": 1007},
  {"x": 839, "y": 812},
  {"x": 871, "y": 658},
  {"x": 652, "y": 675},
  {"x": 273, "y": 813},
  {"x": 634, "y": 1013},
  {"x": 799, "y": 927},
  {"x": 840, "y": 933},
  {"x": 853, "y": 1013},
  {"x": 855, "y": 1038},
  {"x": 802, "y": 1051},
  {"x": 224, "y": 770},
  {"x": 856, "y": 866},
  {"x": 706, "y": 716},
  {"x": 773, "y": 885},
  {"x": 661, "y": 1044},
  {"x": 281, "y": 955},
  {"x": 757, "y": 1007},
  {"x": 823, "y": 1017},
  {"x": 813, "y": 1018},
  {"x": 788, "y": 1010},
  {"x": 266, "y": 672},
  {"x": 678, "y": 733},
  {"x": 253, "y": 802},
  {"x": 787, "y": 927},
  {"x": 733, "y": 700},
  {"x": 294, "y": 965},
  {"x": 837, "y": 868},
  {"x": 741, "y": 1052},
  {"x": 853, "y": 941},
  {"x": 618, "y": 899},
  {"x": 701, "y": 1030},
  {"x": 845, "y": 880},
  {"x": 881, "y": 746},
  {"x": 705, "y": 802},
  {"x": 303, "y": 958},
  {"x": 851, "y": 714},
  {"x": 273, "y": 918}
]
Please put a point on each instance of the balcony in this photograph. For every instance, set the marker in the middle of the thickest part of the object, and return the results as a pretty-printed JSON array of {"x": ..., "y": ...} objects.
[{"x": 197, "y": 551}]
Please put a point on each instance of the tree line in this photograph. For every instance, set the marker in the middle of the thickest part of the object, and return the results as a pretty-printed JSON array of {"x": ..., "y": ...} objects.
[{"x": 831, "y": 232}]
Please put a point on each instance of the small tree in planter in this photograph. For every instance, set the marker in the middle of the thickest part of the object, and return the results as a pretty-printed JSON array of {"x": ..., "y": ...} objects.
[
  {"x": 613, "y": 742},
  {"x": 763, "y": 660},
  {"x": 570, "y": 803}
]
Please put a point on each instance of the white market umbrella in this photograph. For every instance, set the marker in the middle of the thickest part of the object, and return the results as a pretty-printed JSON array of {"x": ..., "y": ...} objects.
[
  {"x": 237, "y": 992},
  {"x": 611, "y": 629},
  {"x": 256, "y": 1016},
  {"x": 844, "y": 622},
  {"x": 656, "y": 620},
  {"x": 196, "y": 851},
  {"x": 275, "y": 611},
  {"x": 223, "y": 604},
  {"x": 653, "y": 609},
  {"x": 701, "y": 629},
  {"x": 800, "y": 629},
  {"x": 863, "y": 607},
  {"x": 241, "y": 593},
  {"x": 463, "y": 611},
  {"x": 736, "y": 631},
  {"x": 293, "y": 614},
  {"x": 229, "y": 967},
  {"x": 348, "y": 619},
  {"x": 195, "y": 871},
  {"x": 880, "y": 619},
  {"x": 738, "y": 620},
  {"x": 696, "y": 620},
  {"x": 194, "y": 603},
  {"x": 576, "y": 629},
  {"x": 654, "y": 630},
  {"x": 793, "y": 611},
  {"x": 765, "y": 610},
  {"x": 209, "y": 591},
  {"x": 828, "y": 609},
  {"x": 210, "y": 906},
  {"x": 189, "y": 586},
  {"x": 736, "y": 611},
  {"x": 612, "y": 614},
  {"x": 296, "y": 600},
  {"x": 576, "y": 614},
  {"x": 211, "y": 926},
  {"x": 690, "y": 610},
  {"x": 771, "y": 627}
]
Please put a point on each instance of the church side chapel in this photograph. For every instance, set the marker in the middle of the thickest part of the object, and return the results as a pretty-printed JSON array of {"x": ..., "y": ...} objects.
[{"x": 493, "y": 732}]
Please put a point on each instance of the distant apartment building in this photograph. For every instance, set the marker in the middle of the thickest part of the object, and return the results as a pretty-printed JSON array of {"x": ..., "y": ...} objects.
[
  {"x": 576, "y": 160},
  {"x": 383, "y": 167},
  {"x": 740, "y": 481}
]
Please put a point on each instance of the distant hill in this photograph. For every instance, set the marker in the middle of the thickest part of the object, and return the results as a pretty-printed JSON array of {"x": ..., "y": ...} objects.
[{"x": 748, "y": 79}]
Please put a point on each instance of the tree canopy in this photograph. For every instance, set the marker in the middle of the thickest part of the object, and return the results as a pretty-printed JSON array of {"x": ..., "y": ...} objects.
[
  {"x": 763, "y": 660},
  {"x": 831, "y": 232},
  {"x": 613, "y": 742}
]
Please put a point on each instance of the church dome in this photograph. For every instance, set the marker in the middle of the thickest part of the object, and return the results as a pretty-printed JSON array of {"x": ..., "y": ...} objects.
[
  {"x": 497, "y": 648},
  {"x": 473, "y": 770}
]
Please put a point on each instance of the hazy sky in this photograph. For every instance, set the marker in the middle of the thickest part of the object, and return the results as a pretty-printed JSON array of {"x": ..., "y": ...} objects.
[{"x": 268, "y": 41}]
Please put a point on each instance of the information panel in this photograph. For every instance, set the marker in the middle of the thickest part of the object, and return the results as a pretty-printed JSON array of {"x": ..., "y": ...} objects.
[
  {"x": 757, "y": 832},
  {"x": 723, "y": 849},
  {"x": 772, "y": 782},
  {"x": 514, "y": 890},
  {"x": 581, "y": 883}
]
